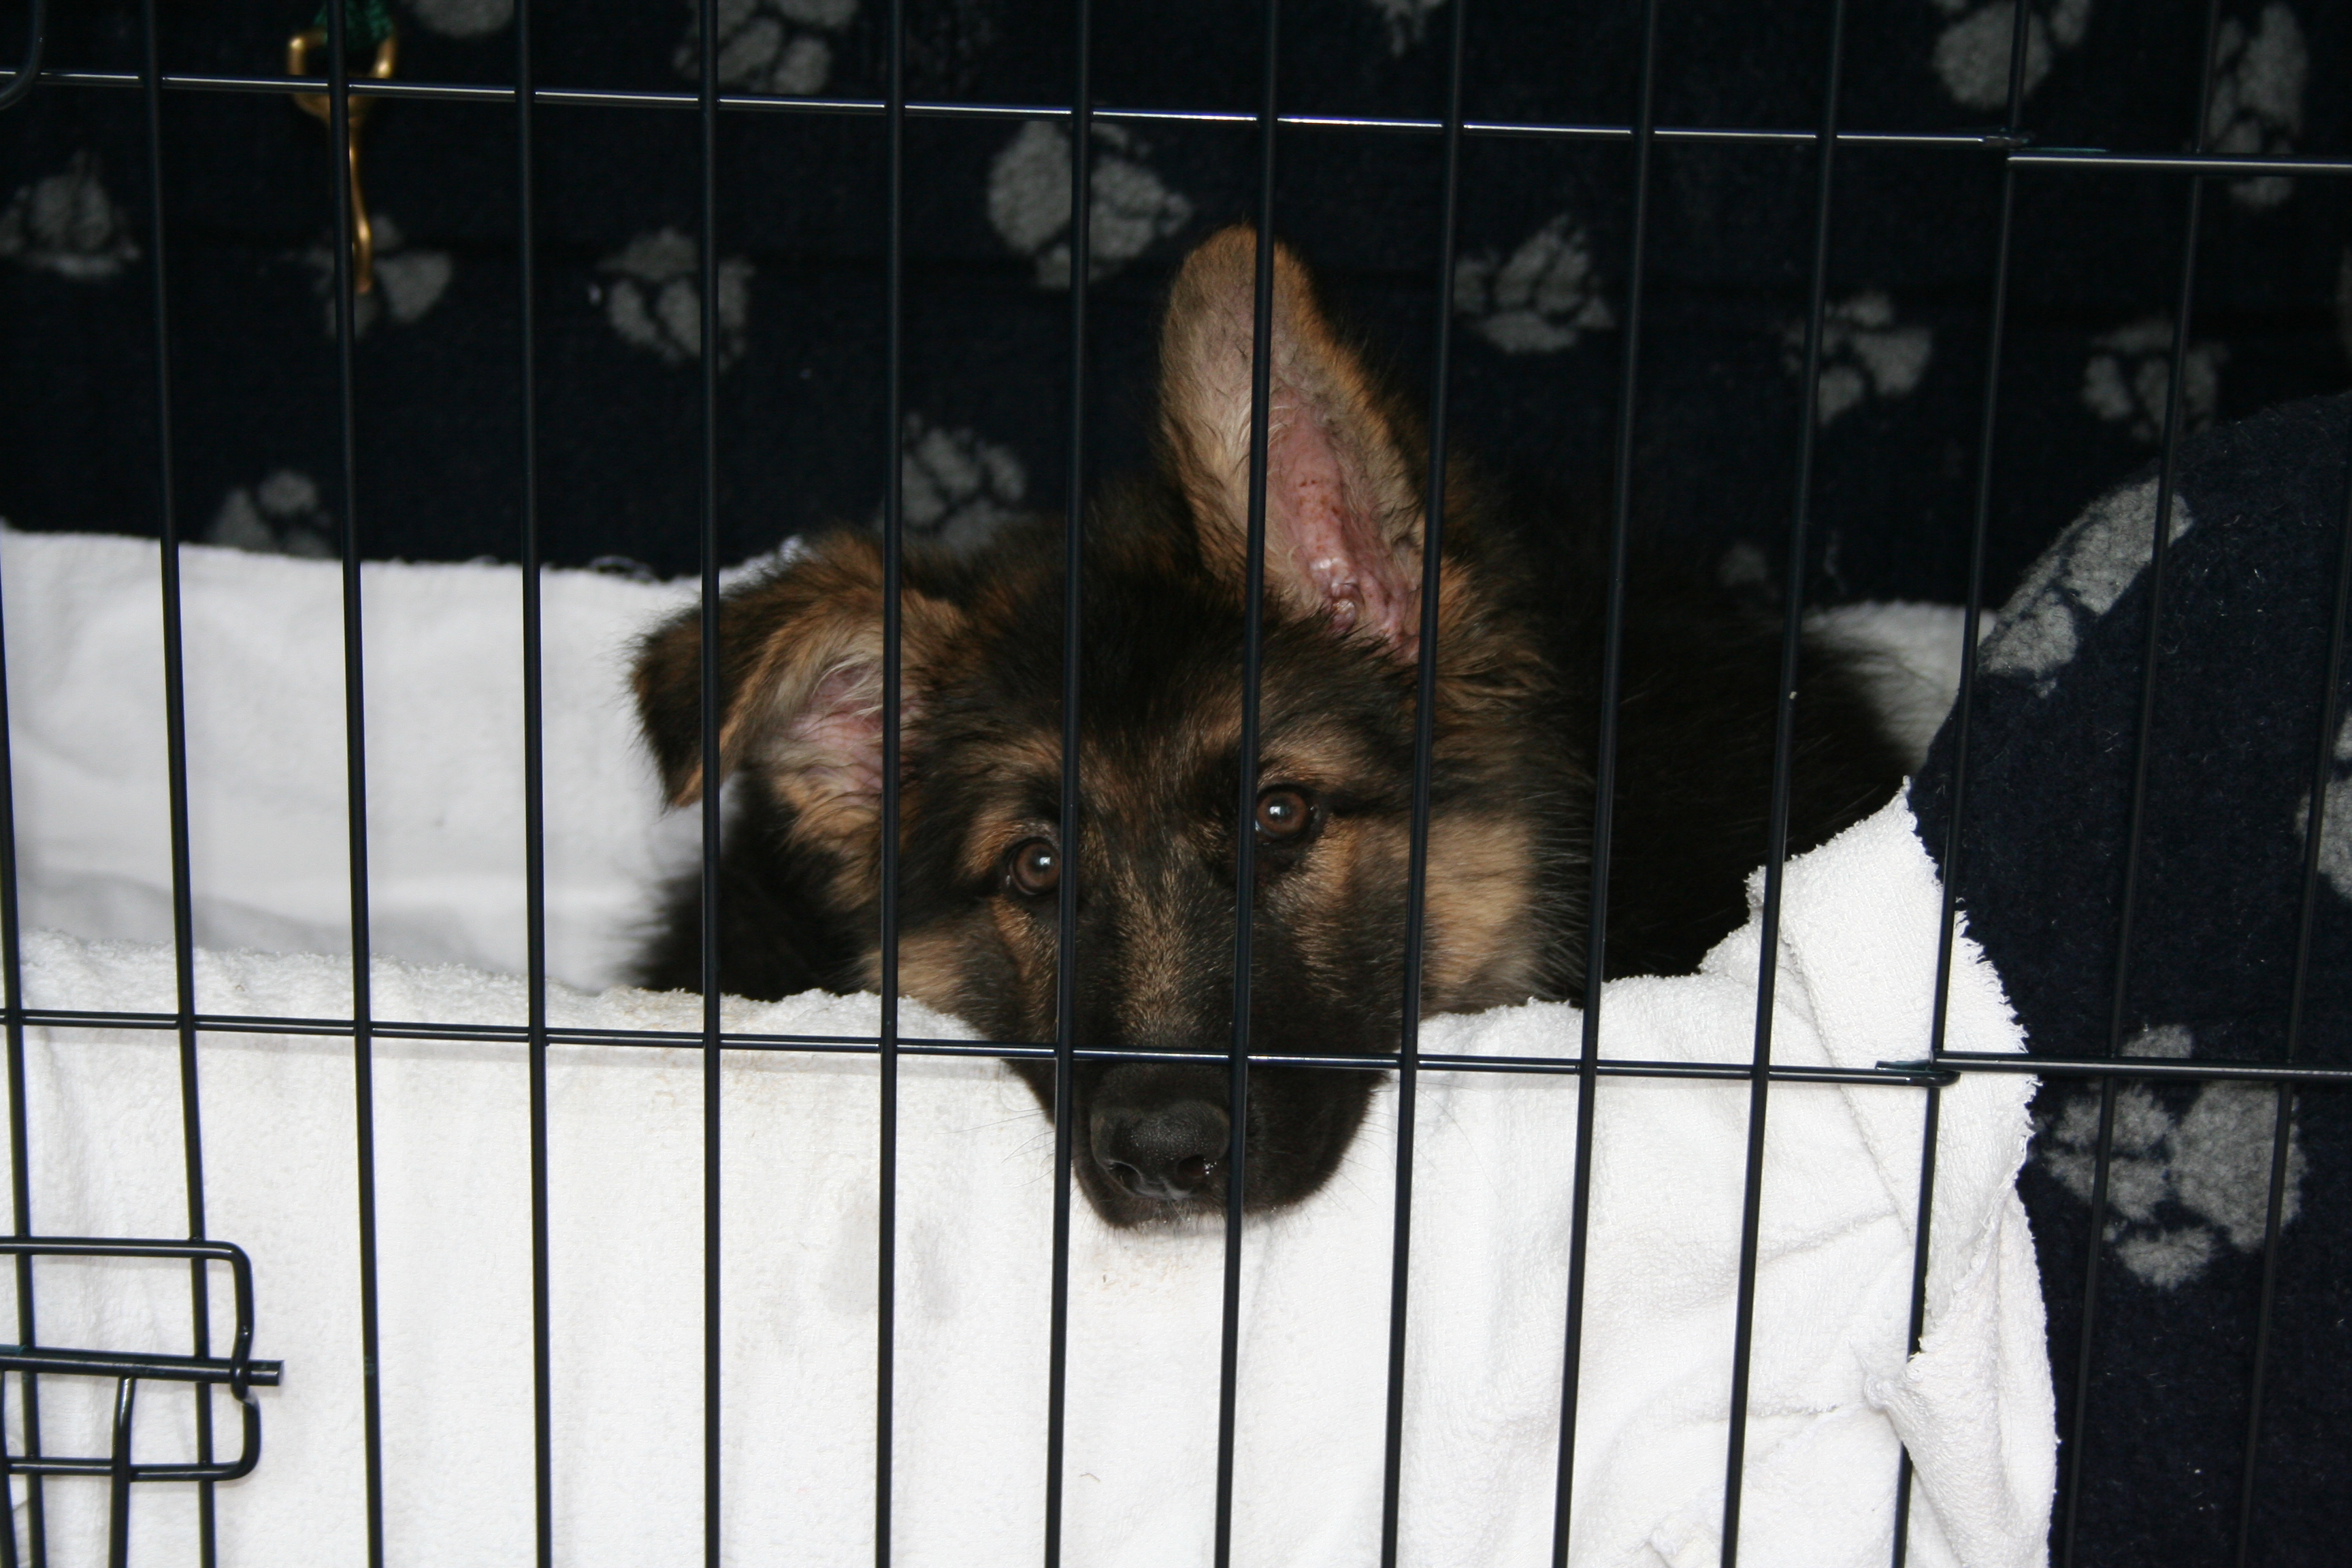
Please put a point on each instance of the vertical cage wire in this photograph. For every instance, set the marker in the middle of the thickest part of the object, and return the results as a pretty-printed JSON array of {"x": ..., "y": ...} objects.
[
  {"x": 1604, "y": 786},
  {"x": 118, "y": 1499},
  {"x": 2071, "y": 1456},
  {"x": 355, "y": 773},
  {"x": 1245, "y": 810},
  {"x": 713, "y": 1054},
  {"x": 1066, "y": 970},
  {"x": 894, "y": 523},
  {"x": 1963, "y": 713},
  {"x": 535, "y": 802},
  {"x": 2331, "y": 703},
  {"x": 175, "y": 753},
  {"x": 20, "y": 1170},
  {"x": 1776, "y": 850},
  {"x": 1424, "y": 746}
]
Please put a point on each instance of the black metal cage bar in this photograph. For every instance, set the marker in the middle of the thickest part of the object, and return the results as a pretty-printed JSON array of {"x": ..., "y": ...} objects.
[
  {"x": 1776, "y": 845},
  {"x": 1963, "y": 707},
  {"x": 1072, "y": 812},
  {"x": 176, "y": 744},
  {"x": 534, "y": 789},
  {"x": 1237, "y": 1081},
  {"x": 2013, "y": 144},
  {"x": 2071, "y": 1448},
  {"x": 1424, "y": 747},
  {"x": 710, "y": 676},
  {"x": 1604, "y": 787}
]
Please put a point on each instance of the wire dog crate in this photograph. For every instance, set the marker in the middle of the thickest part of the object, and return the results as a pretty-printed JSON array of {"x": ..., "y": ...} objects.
[{"x": 343, "y": 98}]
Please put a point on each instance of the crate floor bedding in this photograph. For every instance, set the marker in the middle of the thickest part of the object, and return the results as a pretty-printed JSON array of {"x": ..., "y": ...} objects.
[{"x": 1832, "y": 1392}]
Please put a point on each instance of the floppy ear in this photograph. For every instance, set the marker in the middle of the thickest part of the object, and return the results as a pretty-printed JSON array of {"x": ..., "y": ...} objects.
[
  {"x": 1343, "y": 510},
  {"x": 800, "y": 684}
]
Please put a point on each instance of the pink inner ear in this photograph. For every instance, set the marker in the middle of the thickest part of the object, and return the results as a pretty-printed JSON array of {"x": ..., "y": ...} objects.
[
  {"x": 1320, "y": 514},
  {"x": 838, "y": 733}
]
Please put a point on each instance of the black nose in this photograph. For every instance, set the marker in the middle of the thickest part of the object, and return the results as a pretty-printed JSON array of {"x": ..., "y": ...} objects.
[{"x": 1167, "y": 1153}]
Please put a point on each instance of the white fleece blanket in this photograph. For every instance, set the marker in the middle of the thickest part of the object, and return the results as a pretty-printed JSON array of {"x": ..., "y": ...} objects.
[{"x": 1831, "y": 1393}]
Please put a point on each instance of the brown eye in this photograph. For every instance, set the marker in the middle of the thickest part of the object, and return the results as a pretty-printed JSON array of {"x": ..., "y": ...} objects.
[
  {"x": 1284, "y": 814},
  {"x": 1034, "y": 867}
]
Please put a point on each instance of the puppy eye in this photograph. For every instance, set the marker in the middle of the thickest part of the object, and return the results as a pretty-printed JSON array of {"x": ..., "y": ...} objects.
[
  {"x": 1284, "y": 814},
  {"x": 1033, "y": 866}
]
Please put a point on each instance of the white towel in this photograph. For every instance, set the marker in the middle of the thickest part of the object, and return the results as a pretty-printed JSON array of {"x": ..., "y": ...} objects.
[
  {"x": 1830, "y": 1389},
  {"x": 269, "y": 834}
]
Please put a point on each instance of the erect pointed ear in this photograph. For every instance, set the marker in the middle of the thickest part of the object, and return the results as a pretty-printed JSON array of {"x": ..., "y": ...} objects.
[
  {"x": 800, "y": 683},
  {"x": 1343, "y": 510}
]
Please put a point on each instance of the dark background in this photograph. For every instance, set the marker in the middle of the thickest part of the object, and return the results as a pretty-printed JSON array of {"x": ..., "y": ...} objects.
[{"x": 248, "y": 205}]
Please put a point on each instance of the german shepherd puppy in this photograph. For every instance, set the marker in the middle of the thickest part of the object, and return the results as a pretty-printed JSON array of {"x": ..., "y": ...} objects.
[{"x": 1517, "y": 716}]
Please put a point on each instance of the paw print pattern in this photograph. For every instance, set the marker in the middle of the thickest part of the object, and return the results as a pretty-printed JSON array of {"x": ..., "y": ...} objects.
[
  {"x": 2129, "y": 373},
  {"x": 1539, "y": 299},
  {"x": 65, "y": 223},
  {"x": 654, "y": 299},
  {"x": 2258, "y": 81},
  {"x": 1408, "y": 21},
  {"x": 462, "y": 19},
  {"x": 2335, "y": 824},
  {"x": 2184, "y": 1180},
  {"x": 956, "y": 489},
  {"x": 409, "y": 282},
  {"x": 2077, "y": 580},
  {"x": 1130, "y": 207},
  {"x": 769, "y": 45},
  {"x": 1972, "y": 52},
  {"x": 1865, "y": 351},
  {"x": 280, "y": 516}
]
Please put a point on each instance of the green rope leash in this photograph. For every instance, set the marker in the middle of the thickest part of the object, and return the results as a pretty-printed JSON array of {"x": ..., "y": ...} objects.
[{"x": 366, "y": 23}]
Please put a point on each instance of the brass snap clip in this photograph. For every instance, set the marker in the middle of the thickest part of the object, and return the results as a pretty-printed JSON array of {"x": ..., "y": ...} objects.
[{"x": 299, "y": 48}]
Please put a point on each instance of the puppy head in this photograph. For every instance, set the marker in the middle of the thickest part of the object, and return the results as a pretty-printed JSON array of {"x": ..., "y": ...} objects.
[{"x": 1153, "y": 854}]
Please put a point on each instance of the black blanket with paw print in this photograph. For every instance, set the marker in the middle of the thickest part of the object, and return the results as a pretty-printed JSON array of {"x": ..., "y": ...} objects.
[
  {"x": 2156, "y": 1385},
  {"x": 1540, "y": 292}
]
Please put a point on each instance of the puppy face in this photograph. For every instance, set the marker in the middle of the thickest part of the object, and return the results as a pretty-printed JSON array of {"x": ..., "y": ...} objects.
[{"x": 1167, "y": 792}]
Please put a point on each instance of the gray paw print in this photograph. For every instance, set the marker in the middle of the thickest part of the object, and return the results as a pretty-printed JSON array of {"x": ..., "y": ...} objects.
[
  {"x": 1131, "y": 208},
  {"x": 2077, "y": 580},
  {"x": 66, "y": 224},
  {"x": 2179, "y": 1184},
  {"x": 462, "y": 19},
  {"x": 1408, "y": 21},
  {"x": 2335, "y": 824},
  {"x": 409, "y": 282},
  {"x": 1539, "y": 299},
  {"x": 280, "y": 516},
  {"x": 655, "y": 298},
  {"x": 770, "y": 46},
  {"x": 1972, "y": 53},
  {"x": 1864, "y": 351},
  {"x": 956, "y": 489},
  {"x": 2129, "y": 373},
  {"x": 2258, "y": 81}
]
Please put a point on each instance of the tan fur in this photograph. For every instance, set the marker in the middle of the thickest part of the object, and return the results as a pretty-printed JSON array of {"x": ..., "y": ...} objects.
[
  {"x": 1154, "y": 976},
  {"x": 1482, "y": 947},
  {"x": 933, "y": 961}
]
